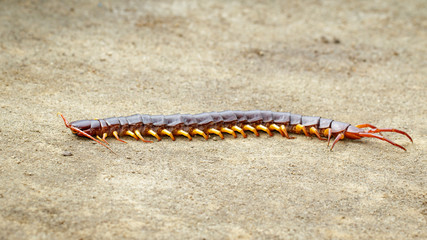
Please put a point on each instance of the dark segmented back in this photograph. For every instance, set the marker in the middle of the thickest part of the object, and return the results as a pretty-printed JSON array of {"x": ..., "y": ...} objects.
[
  {"x": 339, "y": 126},
  {"x": 281, "y": 117},
  {"x": 158, "y": 120},
  {"x": 325, "y": 123},
  {"x": 189, "y": 120},
  {"x": 295, "y": 119},
  {"x": 216, "y": 117},
  {"x": 203, "y": 121},
  {"x": 267, "y": 116},
  {"x": 253, "y": 116},
  {"x": 228, "y": 116},
  {"x": 310, "y": 121},
  {"x": 203, "y": 118},
  {"x": 135, "y": 122},
  {"x": 173, "y": 120},
  {"x": 146, "y": 119},
  {"x": 211, "y": 122},
  {"x": 113, "y": 124}
]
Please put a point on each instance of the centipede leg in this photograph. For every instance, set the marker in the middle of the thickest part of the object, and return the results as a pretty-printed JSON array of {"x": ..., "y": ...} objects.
[
  {"x": 314, "y": 131},
  {"x": 380, "y": 130},
  {"x": 103, "y": 138},
  {"x": 239, "y": 130},
  {"x": 300, "y": 127},
  {"x": 229, "y": 131},
  {"x": 283, "y": 128},
  {"x": 252, "y": 129},
  {"x": 328, "y": 132},
  {"x": 116, "y": 135},
  {"x": 381, "y": 138},
  {"x": 217, "y": 132},
  {"x": 184, "y": 133},
  {"x": 339, "y": 137},
  {"x": 276, "y": 128},
  {"x": 200, "y": 132},
  {"x": 138, "y": 134},
  {"x": 367, "y": 125},
  {"x": 166, "y": 132},
  {"x": 154, "y": 134},
  {"x": 132, "y": 134},
  {"x": 265, "y": 129}
]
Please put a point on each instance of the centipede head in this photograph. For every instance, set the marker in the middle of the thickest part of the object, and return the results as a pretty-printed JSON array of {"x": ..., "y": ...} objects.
[{"x": 82, "y": 128}]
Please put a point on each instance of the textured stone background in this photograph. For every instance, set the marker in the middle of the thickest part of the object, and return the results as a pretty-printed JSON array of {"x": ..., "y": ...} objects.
[{"x": 353, "y": 61}]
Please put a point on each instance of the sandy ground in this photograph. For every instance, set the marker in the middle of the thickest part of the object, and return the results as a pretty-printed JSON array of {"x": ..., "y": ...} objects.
[{"x": 358, "y": 62}]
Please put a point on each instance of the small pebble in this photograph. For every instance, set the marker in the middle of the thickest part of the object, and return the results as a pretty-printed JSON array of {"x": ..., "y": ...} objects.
[
  {"x": 337, "y": 41},
  {"x": 67, "y": 153}
]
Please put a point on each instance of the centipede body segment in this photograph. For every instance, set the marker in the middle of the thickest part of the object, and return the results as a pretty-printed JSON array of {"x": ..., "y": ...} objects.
[{"x": 139, "y": 126}]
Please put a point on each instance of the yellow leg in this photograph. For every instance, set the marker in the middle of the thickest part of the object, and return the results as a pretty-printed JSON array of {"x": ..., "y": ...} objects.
[
  {"x": 184, "y": 133},
  {"x": 252, "y": 129},
  {"x": 100, "y": 139},
  {"x": 314, "y": 131},
  {"x": 276, "y": 128},
  {"x": 132, "y": 134},
  {"x": 283, "y": 128},
  {"x": 117, "y": 136},
  {"x": 265, "y": 129},
  {"x": 200, "y": 132},
  {"x": 300, "y": 127},
  {"x": 215, "y": 131},
  {"x": 154, "y": 134},
  {"x": 166, "y": 132},
  {"x": 238, "y": 129},
  {"x": 229, "y": 131},
  {"x": 104, "y": 136},
  {"x": 140, "y": 137}
]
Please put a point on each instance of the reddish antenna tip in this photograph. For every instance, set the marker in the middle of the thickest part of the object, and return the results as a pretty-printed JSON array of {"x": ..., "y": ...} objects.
[{"x": 67, "y": 124}]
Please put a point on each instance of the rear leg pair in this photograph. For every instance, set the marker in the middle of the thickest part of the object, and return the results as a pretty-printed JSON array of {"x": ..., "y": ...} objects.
[{"x": 371, "y": 134}]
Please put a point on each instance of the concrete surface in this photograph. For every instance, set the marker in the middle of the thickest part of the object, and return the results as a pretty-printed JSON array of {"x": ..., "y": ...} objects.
[{"x": 353, "y": 61}]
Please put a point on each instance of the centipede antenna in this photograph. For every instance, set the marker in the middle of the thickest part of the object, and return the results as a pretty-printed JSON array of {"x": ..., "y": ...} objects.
[
  {"x": 381, "y": 138},
  {"x": 67, "y": 124},
  {"x": 65, "y": 120}
]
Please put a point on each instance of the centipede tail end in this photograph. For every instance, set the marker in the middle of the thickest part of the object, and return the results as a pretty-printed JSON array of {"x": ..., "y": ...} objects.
[
  {"x": 380, "y": 130},
  {"x": 371, "y": 135},
  {"x": 373, "y": 132}
]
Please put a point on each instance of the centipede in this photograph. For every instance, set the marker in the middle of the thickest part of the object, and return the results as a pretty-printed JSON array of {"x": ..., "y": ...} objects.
[{"x": 139, "y": 126}]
